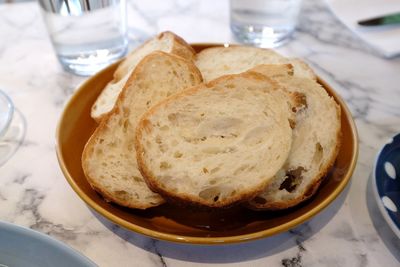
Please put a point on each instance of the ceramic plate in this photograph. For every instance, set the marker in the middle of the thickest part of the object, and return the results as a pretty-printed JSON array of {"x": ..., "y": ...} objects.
[
  {"x": 386, "y": 175},
  {"x": 20, "y": 246},
  {"x": 182, "y": 225}
]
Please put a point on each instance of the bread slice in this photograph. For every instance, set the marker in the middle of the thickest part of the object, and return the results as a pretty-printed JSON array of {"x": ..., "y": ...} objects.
[
  {"x": 216, "y": 144},
  {"x": 109, "y": 157},
  {"x": 166, "y": 41},
  {"x": 316, "y": 141},
  {"x": 217, "y": 61}
]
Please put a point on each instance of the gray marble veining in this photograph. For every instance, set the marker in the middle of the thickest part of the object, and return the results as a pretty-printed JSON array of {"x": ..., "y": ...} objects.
[{"x": 34, "y": 193}]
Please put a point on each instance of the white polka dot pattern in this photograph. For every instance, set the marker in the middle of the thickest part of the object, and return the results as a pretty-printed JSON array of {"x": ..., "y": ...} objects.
[
  {"x": 389, "y": 204},
  {"x": 390, "y": 170}
]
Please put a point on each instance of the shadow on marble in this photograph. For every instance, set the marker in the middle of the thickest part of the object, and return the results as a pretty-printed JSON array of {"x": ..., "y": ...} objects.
[
  {"x": 386, "y": 234},
  {"x": 231, "y": 252}
]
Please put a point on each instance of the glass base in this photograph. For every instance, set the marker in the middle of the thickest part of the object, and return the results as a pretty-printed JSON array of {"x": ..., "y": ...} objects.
[
  {"x": 13, "y": 137},
  {"x": 261, "y": 36},
  {"x": 90, "y": 63},
  {"x": 6, "y": 112}
]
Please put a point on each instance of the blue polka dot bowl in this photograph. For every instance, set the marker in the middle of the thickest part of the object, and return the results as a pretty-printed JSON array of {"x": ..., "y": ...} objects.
[{"x": 386, "y": 178}]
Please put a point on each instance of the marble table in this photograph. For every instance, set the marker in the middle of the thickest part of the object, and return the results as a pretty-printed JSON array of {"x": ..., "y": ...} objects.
[{"x": 35, "y": 194}]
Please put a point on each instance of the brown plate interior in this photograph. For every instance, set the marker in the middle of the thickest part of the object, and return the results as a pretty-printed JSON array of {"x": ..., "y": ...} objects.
[{"x": 182, "y": 225}]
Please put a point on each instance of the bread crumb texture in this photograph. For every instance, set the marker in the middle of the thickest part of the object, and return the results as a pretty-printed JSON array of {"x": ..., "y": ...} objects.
[{"x": 218, "y": 143}]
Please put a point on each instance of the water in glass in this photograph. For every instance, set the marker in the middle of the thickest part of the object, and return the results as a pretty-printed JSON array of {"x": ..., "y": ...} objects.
[
  {"x": 266, "y": 23},
  {"x": 86, "y": 35}
]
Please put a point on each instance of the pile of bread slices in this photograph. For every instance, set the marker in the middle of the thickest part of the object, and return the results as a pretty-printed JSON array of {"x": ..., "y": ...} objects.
[{"x": 229, "y": 125}]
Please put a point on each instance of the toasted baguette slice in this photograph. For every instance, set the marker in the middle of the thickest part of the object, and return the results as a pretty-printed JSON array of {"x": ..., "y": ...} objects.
[
  {"x": 316, "y": 141},
  {"x": 166, "y": 41},
  {"x": 216, "y": 144},
  {"x": 109, "y": 157},
  {"x": 217, "y": 61}
]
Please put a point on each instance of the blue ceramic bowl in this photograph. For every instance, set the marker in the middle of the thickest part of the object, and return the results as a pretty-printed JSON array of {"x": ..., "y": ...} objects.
[
  {"x": 20, "y": 247},
  {"x": 386, "y": 178}
]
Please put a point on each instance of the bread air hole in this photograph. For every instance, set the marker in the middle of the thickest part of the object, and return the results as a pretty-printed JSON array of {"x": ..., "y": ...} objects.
[
  {"x": 318, "y": 153},
  {"x": 130, "y": 147},
  {"x": 165, "y": 165},
  {"x": 125, "y": 127},
  {"x": 121, "y": 194},
  {"x": 214, "y": 170},
  {"x": 192, "y": 78},
  {"x": 137, "y": 179},
  {"x": 240, "y": 169},
  {"x": 259, "y": 200},
  {"x": 210, "y": 194},
  {"x": 293, "y": 179},
  {"x": 300, "y": 102},
  {"x": 230, "y": 86},
  {"x": 125, "y": 111},
  {"x": 114, "y": 143},
  {"x": 163, "y": 148},
  {"x": 173, "y": 118},
  {"x": 292, "y": 123},
  {"x": 178, "y": 155}
]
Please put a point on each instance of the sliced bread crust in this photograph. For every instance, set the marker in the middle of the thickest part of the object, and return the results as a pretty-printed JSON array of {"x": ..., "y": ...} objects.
[
  {"x": 109, "y": 157},
  {"x": 216, "y": 144},
  {"x": 316, "y": 143},
  {"x": 165, "y": 41},
  {"x": 218, "y": 61}
]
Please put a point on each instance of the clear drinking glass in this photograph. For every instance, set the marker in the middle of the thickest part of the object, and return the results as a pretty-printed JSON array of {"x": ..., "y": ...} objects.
[
  {"x": 265, "y": 23},
  {"x": 87, "y": 35},
  {"x": 12, "y": 128}
]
